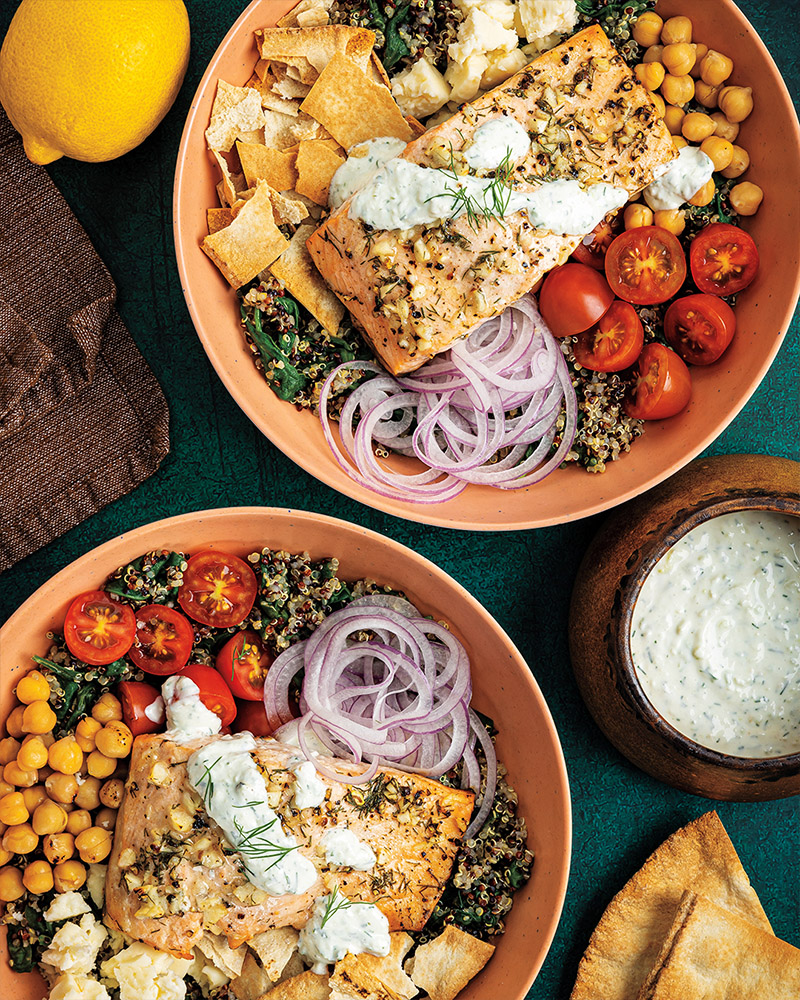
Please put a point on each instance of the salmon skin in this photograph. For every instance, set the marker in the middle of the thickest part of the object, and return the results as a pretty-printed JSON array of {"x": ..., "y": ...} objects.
[
  {"x": 415, "y": 292},
  {"x": 172, "y": 876}
]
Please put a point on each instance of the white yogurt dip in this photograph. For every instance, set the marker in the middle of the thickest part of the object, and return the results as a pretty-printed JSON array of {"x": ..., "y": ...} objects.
[
  {"x": 680, "y": 180},
  {"x": 363, "y": 162},
  {"x": 493, "y": 142},
  {"x": 715, "y": 636},
  {"x": 339, "y": 925}
]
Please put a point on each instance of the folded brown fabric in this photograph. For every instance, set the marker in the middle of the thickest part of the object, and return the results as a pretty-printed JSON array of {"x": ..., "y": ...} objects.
[
  {"x": 712, "y": 953},
  {"x": 82, "y": 418}
]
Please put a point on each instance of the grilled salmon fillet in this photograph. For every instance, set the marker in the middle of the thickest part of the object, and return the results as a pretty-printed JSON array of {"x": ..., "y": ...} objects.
[
  {"x": 589, "y": 119},
  {"x": 169, "y": 877}
]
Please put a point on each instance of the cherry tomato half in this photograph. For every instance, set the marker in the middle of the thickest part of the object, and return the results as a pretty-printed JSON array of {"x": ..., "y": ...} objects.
[
  {"x": 573, "y": 298},
  {"x": 662, "y": 387},
  {"x": 98, "y": 629},
  {"x": 142, "y": 707},
  {"x": 723, "y": 259},
  {"x": 251, "y": 717},
  {"x": 614, "y": 344},
  {"x": 699, "y": 328},
  {"x": 594, "y": 251},
  {"x": 218, "y": 589},
  {"x": 214, "y": 692},
  {"x": 244, "y": 661},
  {"x": 163, "y": 640},
  {"x": 645, "y": 265}
]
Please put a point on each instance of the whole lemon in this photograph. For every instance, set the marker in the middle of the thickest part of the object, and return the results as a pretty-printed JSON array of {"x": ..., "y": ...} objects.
[{"x": 91, "y": 79}]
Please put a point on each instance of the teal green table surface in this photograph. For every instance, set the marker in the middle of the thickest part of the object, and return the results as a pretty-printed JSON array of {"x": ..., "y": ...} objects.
[{"x": 524, "y": 579}]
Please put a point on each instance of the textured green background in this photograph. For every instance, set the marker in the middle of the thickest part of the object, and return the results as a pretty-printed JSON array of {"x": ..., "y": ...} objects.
[{"x": 219, "y": 459}]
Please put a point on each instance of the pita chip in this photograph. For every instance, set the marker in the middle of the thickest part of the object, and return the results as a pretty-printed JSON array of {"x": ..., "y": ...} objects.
[
  {"x": 236, "y": 112},
  {"x": 317, "y": 8},
  {"x": 274, "y": 948},
  {"x": 315, "y": 46},
  {"x": 296, "y": 271},
  {"x": 218, "y": 218},
  {"x": 714, "y": 954},
  {"x": 306, "y": 986},
  {"x": 371, "y": 977},
  {"x": 316, "y": 165},
  {"x": 271, "y": 100},
  {"x": 444, "y": 966},
  {"x": 352, "y": 108},
  {"x": 253, "y": 980},
  {"x": 289, "y": 210},
  {"x": 624, "y": 945},
  {"x": 231, "y": 184},
  {"x": 250, "y": 243},
  {"x": 282, "y": 130},
  {"x": 275, "y": 166},
  {"x": 217, "y": 950}
]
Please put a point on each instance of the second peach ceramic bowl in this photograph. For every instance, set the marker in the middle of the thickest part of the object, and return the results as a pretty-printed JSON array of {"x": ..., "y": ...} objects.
[
  {"x": 504, "y": 689},
  {"x": 772, "y": 137}
]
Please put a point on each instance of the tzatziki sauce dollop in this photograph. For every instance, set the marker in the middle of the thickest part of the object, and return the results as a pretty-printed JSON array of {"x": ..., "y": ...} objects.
[
  {"x": 364, "y": 160},
  {"x": 715, "y": 635},
  {"x": 339, "y": 925},
  {"x": 493, "y": 142},
  {"x": 187, "y": 716},
  {"x": 681, "y": 180},
  {"x": 342, "y": 847}
]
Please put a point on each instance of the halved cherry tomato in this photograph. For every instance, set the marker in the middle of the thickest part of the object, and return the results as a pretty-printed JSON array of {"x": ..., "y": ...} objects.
[
  {"x": 244, "y": 661},
  {"x": 614, "y": 344},
  {"x": 645, "y": 265},
  {"x": 214, "y": 692},
  {"x": 594, "y": 251},
  {"x": 699, "y": 328},
  {"x": 573, "y": 298},
  {"x": 723, "y": 259},
  {"x": 662, "y": 387},
  {"x": 251, "y": 717},
  {"x": 163, "y": 640},
  {"x": 98, "y": 629},
  {"x": 218, "y": 589},
  {"x": 142, "y": 707}
]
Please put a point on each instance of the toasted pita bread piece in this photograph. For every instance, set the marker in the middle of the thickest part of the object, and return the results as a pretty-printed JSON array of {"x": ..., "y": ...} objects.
[
  {"x": 253, "y": 980},
  {"x": 306, "y": 986},
  {"x": 217, "y": 950},
  {"x": 317, "y": 8},
  {"x": 282, "y": 130},
  {"x": 275, "y": 166},
  {"x": 250, "y": 243},
  {"x": 714, "y": 954},
  {"x": 373, "y": 977},
  {"x": 274, "y": 948},
  {"x": 316, "y": 165},
  {"x": 232, "y": 183},
  {"x": 623, "y": 947},
  {"x": 218, "y": 218},
  {"x": 444, "y": 966},
  {"x": 296, "y": 270},
  {"x": 315, "y": 46},
  {"x": 236, "y": 113}
]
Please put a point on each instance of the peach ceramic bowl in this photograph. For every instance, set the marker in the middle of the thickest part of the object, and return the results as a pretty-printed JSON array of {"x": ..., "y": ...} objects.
[
  {"x": 504, "y": 689},
  {"x": 772, "y": 137}
]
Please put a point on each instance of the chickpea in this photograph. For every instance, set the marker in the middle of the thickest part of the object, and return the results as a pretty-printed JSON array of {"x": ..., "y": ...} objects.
[
  {"x": 78, "y": 821},
  {"x": 66, "y": 756},
  {"x": 11, "y": 886},
  {"x": 637, "y": 216},
  {"x": 746, "y": 198},
  {"x": 99, "y": 765},
  {"x": 653, "y": 54},
  {"x": 700, "y": 51},
  {"x": 49, "y": 817},
  {"x": 20, "y": 839},
  {"x": 14, "y": 723},
  {"x": 673, "y": 118},
  {"x": 9, "y": 748},
  {"x": 737, "y": 166},
  {"x": 705, "y": 195},
  {"x": 32, "y": 754},
  {"x": 114, "y": 740},
  {"x": 34, "y": 686},
  {"x": 58, "y": 847},
  {"x": 677, "y": 89},
  {"x": 13, "y": 809},
  {"x": 62, "y": 788},
  {"x": 650, "y": 75},
  {"x": 38, "y": 718},
  {"x": 85, "y": 733},
  {"x": 725, "y": 129},
  {"x": 719, "y": 150},
  {"x": 15, "y": 775},
  {"x": 107, "y": 709},
  {"x": 672, "y": 220},
  {"x": 5, "y": 857},
  {"x": 94, "y": 845},
  {"x": 736, "y": 103},
  {"x": 706, "y": 94},
  {"x": 88, "y": 796},
  {"x": 676, "y": 29},
  {"x": 658, "y": 100},
  {"x": 69, "y": 876},
  {"x": 106, "y": 819},
  {"x": 5, "y": 787},
  {"x": 34, "y": 797},
  {"x": 679, "y": 142},
  {"x": 647, "y": 28},
  {"x": 38, "y": 877},
  {"x": 715, "y": 68},
  {"x": 696, "y": 126},
  {"x": 111, "y": 793},
  {"x": 679, "y": 58}
]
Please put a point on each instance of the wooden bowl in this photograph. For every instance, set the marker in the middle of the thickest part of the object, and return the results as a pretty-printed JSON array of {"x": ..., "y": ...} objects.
[
  {"x": 609, "y": 581},
  {"x": 503, "y": 686}
]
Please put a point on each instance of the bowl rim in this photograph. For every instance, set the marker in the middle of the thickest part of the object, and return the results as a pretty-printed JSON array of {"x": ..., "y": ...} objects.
[
  {"x": 437, "y": 514},
  {"x": 630, "y": 590}
]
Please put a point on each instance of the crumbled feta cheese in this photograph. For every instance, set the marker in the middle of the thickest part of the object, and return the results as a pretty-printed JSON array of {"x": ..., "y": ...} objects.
[
  {"x": 536, "y": 19},
  {"x": 208, "y": 975},
  {"x": 420, "y": 90},
  {"x": 96, "y": 883},
  {"x": 501, "y": 10},
  {"x": 74, "y": 946},
  {"x": 465, "y": 77},
  {"x": 502, "y": 65},
  {"x": 144, "y": 973},
  {"x": 66, "y": 905},
  {"x": 479, "y": 34},
  {"x": 69, "y": 987}
]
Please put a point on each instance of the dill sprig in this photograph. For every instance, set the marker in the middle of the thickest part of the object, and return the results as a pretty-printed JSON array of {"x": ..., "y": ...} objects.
[
  {"x": 493, "y": 201},
  {"x": 206, "y": 777},
  {"x": 336, "y": 902},
  {"x": 255, "y": 845}
]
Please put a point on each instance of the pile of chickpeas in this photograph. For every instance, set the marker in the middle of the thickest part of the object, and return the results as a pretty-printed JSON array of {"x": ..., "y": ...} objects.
[
  {"x": 683, "y": 70},
  {"x": 58, "y": 798}
]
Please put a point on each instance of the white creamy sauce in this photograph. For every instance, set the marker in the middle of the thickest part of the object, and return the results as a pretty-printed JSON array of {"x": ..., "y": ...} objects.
[
  {"x": 187, "y": 716},
  {"x": 716, "y": 634},
  {"x": 155, "y": 710},
  {"x": 234, "y": 794},
  {"x": 309, "y": 791},
  {"x": 342, "y": 847},
  {"x": 496, "y": 140},
  {"x": 363, "y": 162},
  {"x": 338, "y": 926},
  {"x": 681, "y": 180}
]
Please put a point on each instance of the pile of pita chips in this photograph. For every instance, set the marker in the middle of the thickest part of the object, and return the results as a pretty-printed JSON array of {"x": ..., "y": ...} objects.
[{"x": 444, "y": 966}]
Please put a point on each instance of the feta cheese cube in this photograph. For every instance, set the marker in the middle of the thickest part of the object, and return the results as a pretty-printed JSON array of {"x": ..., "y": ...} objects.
[
  {"x": 537, "y": 18},
  {"x": 421, "y": 89},
  {"x": 465, "y": 77},
  {"x": 502, "y": 65},
  {"x": 144, "y": 973}
]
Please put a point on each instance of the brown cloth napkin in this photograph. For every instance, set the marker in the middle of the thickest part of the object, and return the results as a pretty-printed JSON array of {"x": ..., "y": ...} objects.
[{"x": 82, "y": 418}]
